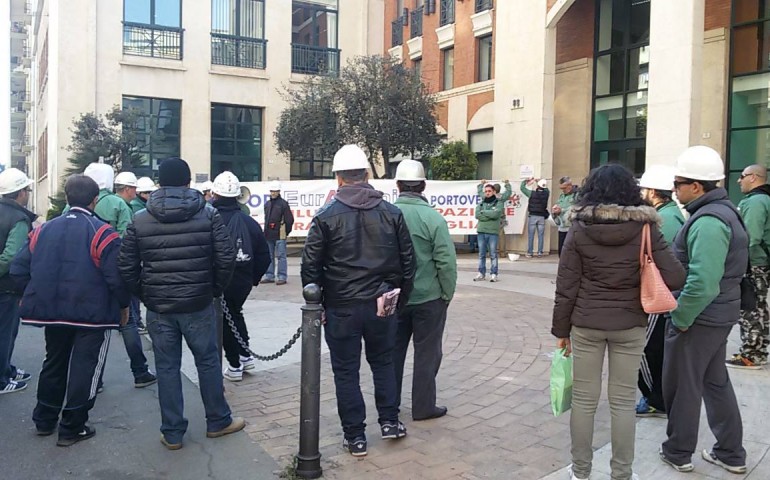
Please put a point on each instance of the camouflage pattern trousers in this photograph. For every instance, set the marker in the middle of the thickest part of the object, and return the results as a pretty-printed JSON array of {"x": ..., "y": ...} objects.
[{"x": 755, "y": 324}]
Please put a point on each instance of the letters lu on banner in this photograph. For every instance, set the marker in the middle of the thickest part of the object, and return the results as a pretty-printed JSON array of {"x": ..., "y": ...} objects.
[{"x": 455, "y": 200}]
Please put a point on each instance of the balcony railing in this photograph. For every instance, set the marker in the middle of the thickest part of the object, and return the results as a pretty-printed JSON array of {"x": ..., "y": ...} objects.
[
  {"x": 397, "y": 28},
  {"x": 315, "y": 60},
  {"x": 415, "y": 29},
  {"x": 447, "y": 12},
  {"x": 237, "y": 51},
  {"x": 152, "y": 40},
  {"x": 482, "y": 5}
]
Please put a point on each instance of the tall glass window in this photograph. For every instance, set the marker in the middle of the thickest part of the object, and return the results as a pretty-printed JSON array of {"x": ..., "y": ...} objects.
[
  {"x": 236, "y": 141},
  {"x": 484, "y": 59},
  {"x": 447, "y": 68},
  {"x": 748, "y": 141},
  {"x": 153, "y": 28},
  {"x": 314, "y": 37},
  {"x": 238, "y": 33},
  {"x": 157, "y": 128},
  {"x": 621, "y": 77}
]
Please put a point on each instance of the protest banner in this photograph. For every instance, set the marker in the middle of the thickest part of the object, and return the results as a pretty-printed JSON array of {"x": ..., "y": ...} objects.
[{"x": 455, "y": 200}]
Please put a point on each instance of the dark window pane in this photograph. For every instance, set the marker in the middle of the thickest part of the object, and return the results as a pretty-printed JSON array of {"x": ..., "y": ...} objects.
[
  {"x": 137, "y": 11},
  {"x": 485, "y": 58},
  {"x": 608, "y": 119},
  {"x": 751, "y": 46},
  {"x": 640, "y": 22},
  {"x": 156, "y": 129},
  {"x": 636, "y": 115},
  {"x": 448, "y": 68},
  {"x": 167, "y": 13},
  {"x": 639, "y": 69},
  {"x": 750, "y": 101},
  {"x": 222, "y": 147},
  {"x": 247, "y": 131},
  {"x": 612, "y": 24},
  {"x": 748, "y": 147},
  {"x": 748, "y": 10},
  {"x": 236, "y": 143},
  {"x": 610, "y": 71}
]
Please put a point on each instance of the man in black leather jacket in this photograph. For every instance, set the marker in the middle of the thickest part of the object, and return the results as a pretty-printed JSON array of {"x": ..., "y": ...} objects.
[
  {"x": 358, "y": 247},
  {"x": 176, "y": 257}
]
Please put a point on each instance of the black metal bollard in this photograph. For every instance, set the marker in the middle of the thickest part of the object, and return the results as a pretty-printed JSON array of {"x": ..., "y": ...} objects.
[{"x": 309, "y": 458}]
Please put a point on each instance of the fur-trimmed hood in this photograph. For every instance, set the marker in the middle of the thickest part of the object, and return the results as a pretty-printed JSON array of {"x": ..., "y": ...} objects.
[{"x": 613, "y": 224}]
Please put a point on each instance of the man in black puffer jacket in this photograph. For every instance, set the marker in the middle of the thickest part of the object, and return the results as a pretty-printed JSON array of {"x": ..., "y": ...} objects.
[
  {"x": 176, "y": 257},
  {"x": 358, "y": 247}
]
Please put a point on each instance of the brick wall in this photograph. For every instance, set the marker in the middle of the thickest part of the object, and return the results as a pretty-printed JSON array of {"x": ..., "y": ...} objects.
[
  {"x": 442, "y": 114},
  {"x": 575, "y": 33},
  {"x": 717, "y": 14},
  {"x": 475, "y": 102}
]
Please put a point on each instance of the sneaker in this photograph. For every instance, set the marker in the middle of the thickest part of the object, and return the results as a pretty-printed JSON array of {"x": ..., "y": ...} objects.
[
  {"x": 644, "y": 409},
  {"x": 267, "y": 280},
  {"x": 393, "y": 430},
  {"x": 235, "y": 426},
  {"x": 21, "y": 376},
  {"x": 84, "y": 434},
  {"x": 493, "y": 278},
  {"x": 169, "y": 445},
  {"x": 233, "y": 374},
  {"x": 99, "y": 389},
  {"x": 13, "y": 386},
  {"x": 684, "y": 468},
  {"x": 711, "y": 458},
  {"x": 247, "y": 363},
  {"x": 281, "y": 282},
  {"x": 739, "y": 361},
  {"x": 356, "y": 447},
  {"x": 572, "y": 475},
  {"x": 529, "y": 255},
  {"x": 479, "y": 278},
  {"x": 142, "y": 328},
  {"x": 45, "y": 432},
  {"x": 539, "y": 255},
  {"x": 145, "y": 380}
]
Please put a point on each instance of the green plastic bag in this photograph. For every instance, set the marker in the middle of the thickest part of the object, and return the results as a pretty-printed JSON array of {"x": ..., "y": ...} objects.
[{"x": 561, "y": 382}]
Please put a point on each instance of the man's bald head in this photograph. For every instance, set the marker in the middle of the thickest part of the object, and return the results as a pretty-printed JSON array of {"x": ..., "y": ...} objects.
[{"x": 752, "y": 177}]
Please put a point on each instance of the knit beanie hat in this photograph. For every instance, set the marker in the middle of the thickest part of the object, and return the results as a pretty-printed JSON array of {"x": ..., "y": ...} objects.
[{"x": 174, "y": 172}]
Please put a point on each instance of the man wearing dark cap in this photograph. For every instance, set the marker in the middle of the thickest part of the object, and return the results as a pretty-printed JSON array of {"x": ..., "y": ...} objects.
[
  {"x": 68, "y": 269},
  {"x": 176, "y": 258}
]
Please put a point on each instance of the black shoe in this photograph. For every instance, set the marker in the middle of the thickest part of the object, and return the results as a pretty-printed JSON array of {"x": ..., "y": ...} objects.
[
  {"x": 84, "y": 434},
  {"x": 393, "y": 430},
  {"x": 45, "y": 432},
  {"x": 437, "y": 412},
  {"x": 145, "y": 380},
  {"x": 356, "y": 447}
]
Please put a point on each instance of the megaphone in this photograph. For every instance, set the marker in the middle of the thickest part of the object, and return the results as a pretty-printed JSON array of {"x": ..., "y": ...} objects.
[{"x": 243, "y": 198}]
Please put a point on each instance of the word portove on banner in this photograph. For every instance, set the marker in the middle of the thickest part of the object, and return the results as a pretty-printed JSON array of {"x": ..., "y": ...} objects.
[{"x": 455, "y": 200}]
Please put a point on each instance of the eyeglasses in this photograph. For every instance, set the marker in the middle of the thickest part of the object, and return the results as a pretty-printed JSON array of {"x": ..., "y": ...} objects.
[
  {"x": 744, "y": 175},
  {"x": 678, "y": 183}
]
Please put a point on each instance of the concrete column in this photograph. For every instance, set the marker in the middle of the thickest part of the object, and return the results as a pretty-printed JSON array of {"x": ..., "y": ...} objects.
[{"x": 676, "y": 65}]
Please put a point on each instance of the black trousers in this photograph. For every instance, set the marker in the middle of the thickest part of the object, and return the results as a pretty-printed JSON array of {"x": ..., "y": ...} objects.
[
  {"x": 235, "y": 296},
  {"x": 74, "y": 361},
  {"x": 694, "y": 371},
  {"x": 651, "y": 371},
  {"x": 425, "y": 324},
  {"x": 562, "y": 237}
]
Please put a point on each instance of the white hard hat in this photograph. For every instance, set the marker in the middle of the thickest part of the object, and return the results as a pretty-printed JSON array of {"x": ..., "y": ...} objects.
[
  {"x": 410, "y": 171},
  {"x": 542, "y": 183},
  {"x": 145, "y": 184},
  {"x": 658, "y": 177},
  {"x": 12, "y": 180},
  {"x": 226, "y": 185},
  {"x": 204, "y": 187},
  {"x": 700, "y": 163},
  {"x": 350, "y": 157},
  {"x": 275, "y": 186},
  {"x": 126, "y": 178},
  {"x": 102, "y": 174}
]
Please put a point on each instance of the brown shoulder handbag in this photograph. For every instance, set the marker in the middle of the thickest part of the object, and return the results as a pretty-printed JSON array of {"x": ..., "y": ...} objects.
[{"x": 656, "y": 297}]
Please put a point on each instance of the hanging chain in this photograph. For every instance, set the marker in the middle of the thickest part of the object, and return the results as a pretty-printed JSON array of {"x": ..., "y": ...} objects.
[{"x": 245, "y": 346}]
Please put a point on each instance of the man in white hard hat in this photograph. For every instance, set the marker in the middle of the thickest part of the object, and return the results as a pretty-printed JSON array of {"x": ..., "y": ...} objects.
[
  {"x": 435, "y": 281},
  {"x": 755, "y": 324},
  {"x": 278, "y": 224},
  {"x": 713, "y": 248},
  {"x": 144, "y": 187},
  {"x": 359, "y": 252},
  {"x": 109, "y": 207},
  {"x": 656, "y": 185},
  {"x": 252, "y": 256},
  {"x": 125, "y": 186},
  {"x": 15, "y": 225}
]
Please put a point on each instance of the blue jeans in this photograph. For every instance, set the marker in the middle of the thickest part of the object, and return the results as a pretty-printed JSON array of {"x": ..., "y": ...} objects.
[
  {"x": 9, "y": 329},
  {"x": 277, "y": 255},
  {"x": 200, "y": 333},
  {"x": 133, "y": 344},
  {"x": 135, "y": 310},
  {"x": 487, "y": 242},
  {"x": 535, "y": 222},
  {"x": 344, "y": 329}
]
